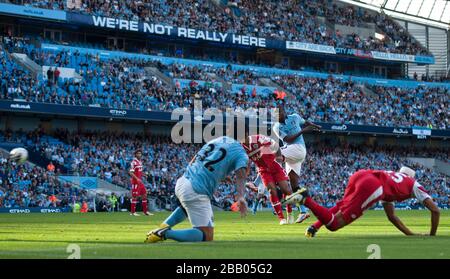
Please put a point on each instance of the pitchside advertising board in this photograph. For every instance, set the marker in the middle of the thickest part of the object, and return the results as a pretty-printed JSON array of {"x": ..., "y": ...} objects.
[
  {"x": 245, "y": 40},
  {"x": 159, "y": 116},
  {"x": 27, "y": 210}
]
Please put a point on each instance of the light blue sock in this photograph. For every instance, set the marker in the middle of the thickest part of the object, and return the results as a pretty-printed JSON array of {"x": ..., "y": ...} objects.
[
  {"x": 303, "y": 209},
  {"x": 188, "y": 235},
  {"x": 176, "y": 217},
  {"x": 255, "y": 206}
]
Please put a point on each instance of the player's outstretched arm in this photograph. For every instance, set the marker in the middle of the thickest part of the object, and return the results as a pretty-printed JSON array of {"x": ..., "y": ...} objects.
[
  {"x": 193, "y": 160},
  {"x": 390, "y": 213},
  {"x": 435, "y": 214},
  {"x": 241, "y": 177},
  {"x": 309, "y": 123},
  {"x": 306, "y": 129}
]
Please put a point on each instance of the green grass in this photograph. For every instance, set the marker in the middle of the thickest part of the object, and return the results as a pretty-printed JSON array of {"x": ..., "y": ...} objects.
[{"x": 119, "y": 235}]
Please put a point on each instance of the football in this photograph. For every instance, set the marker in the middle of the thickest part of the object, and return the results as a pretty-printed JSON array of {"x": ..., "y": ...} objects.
[{"x": 18, "y": 155}]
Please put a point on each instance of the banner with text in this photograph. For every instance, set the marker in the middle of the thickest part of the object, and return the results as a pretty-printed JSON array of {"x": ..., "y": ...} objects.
[
  {"x": 183, "y": 33},
  {"x": 166, "y": 117},
  {"x": 310, "y": 47},
  {"x": 26, "y": 210},
  {"x": 172, "y": 31}
]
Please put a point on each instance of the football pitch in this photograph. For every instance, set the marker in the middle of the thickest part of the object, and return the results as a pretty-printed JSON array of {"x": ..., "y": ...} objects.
[{"x": 118, "y": 235}]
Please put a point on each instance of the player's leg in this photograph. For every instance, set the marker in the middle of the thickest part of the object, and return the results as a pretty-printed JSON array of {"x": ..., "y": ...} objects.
[
  {"x": 144, "y": 199},
  {"x": 317, "y": 225},
  {"x": 285, "y": 189},
  {"x": 294, "y": 180},
  {"x": 314, "y": 228},
  {"x": 177, "y": 216},
  {"x": 282, "y": 180},
  {"x": 349, "y": 190},
  {"x": 256, "y": 203},
  {"x": 199, "y": 211},
  {"x": 363, "y": 191},
  {"x": 275, "y": 200},
  {"x": 269, "y": 182},
  {"x": 200, "y": 214},
  {"x": 294, "y": 156},
  {"x": 303, "y": 214},
  {"x": 333, "y": 221},
  {"x": 134, "y": 199},
  {"x": 259, "y": 195},
  {"x": 191, "y": 235}
]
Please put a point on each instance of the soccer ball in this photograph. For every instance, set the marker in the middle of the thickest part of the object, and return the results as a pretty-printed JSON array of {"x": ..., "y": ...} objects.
[{"x": 18, "y": 155}]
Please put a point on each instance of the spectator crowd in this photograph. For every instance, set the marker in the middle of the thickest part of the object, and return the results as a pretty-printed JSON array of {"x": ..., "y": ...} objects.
[
  {"x": 107, "y": 156},
  {"x": 125, "y": 83},
  {"x": 293, "y": 20}
]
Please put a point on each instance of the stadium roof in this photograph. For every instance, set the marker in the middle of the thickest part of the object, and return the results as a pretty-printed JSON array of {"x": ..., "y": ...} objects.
[{"x": 429, "y": 12}]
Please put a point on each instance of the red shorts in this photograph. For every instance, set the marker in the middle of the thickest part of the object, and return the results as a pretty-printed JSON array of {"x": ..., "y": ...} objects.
[
  {"x": 363, "y": 190},
  {"x": 138, "y": 190},
  {"x": 273, "y": 174}
]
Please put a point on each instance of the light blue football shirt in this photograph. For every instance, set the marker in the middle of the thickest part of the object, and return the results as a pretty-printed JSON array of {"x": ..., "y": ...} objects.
[
  {"x": 293, "y": 125},
  {"x": 215, "y": 161}
]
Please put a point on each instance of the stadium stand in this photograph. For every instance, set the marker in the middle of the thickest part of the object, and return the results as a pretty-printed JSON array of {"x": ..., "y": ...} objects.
[
  {"x": 107, "y": 156},
  {"x": 31, "y": 186},
  {"x": 123, "y": 82},
  {"x": 77, "y": 73},
  {"x": 287, "y": 20}
]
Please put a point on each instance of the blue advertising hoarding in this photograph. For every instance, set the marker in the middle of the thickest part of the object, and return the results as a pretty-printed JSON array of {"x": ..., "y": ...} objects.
[
  {"x": 98, "y": 112},
  {"x": 26, "y": 210}
]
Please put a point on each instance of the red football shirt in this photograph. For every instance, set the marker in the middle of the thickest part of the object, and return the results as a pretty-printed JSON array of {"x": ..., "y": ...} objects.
[
  {"x": 399, "y": 187},
  {"x": 260, "y": 150},
  {"x": 136, "y": 168}
]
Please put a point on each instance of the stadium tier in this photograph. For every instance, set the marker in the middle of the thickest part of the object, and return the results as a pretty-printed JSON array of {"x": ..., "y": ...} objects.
[
  {"x": 124, "y": 82},
  {"x": 291, "y": 20},
  {"x": 107, "y": 156}
]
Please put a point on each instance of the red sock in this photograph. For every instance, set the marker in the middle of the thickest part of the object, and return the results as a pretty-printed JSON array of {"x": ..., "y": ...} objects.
[
  {"x": 288, "y": 207},
  {"x": 144, "y": 205},
  {"x": 322, "y": 213},
  {"x": 277, "y": 206},
  {"x": 319, "y": 224},
  {"x": 133, "y": 205}
]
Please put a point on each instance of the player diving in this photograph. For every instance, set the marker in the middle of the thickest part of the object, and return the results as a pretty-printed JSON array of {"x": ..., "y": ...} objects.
[{"x": 364, "y": 189}]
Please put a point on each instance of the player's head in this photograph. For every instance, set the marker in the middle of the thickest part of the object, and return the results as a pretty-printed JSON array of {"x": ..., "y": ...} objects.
[
  {"x": 138, "y": 153},
  {"x": 408, "y": 171}
]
